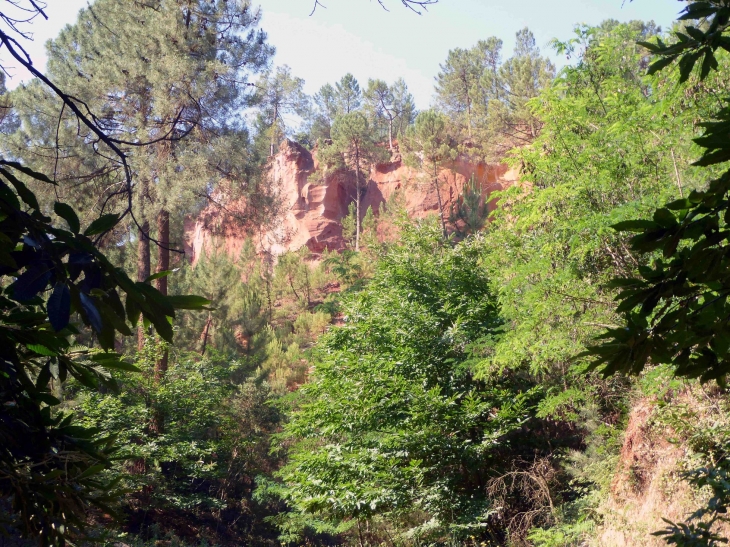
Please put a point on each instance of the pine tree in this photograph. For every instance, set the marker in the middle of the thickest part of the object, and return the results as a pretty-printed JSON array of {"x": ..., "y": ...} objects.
[
  {"x": 405, "y": 107},
  {"x": 431, "y": 148},
  {"x": 322, "y": 113},
  {"x": 389, "y": 107},
  {"x": 354, "y": 147},
  {"x": 278, "y": 93},
  {"x": 348, "y": 96},
  {"x": 487, "y": 98},
  {"x": 457, "y": 86},
  {"x": 470, "y": 209},
  {"x": 172, "y": 73},
  {"x": 520, "y": 79}
]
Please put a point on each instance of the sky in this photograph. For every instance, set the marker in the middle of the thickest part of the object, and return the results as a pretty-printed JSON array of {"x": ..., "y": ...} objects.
[{"x": 360, "y": 37}]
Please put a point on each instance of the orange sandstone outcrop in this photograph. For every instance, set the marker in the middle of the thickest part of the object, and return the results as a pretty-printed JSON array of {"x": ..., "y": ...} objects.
[{"x": 312, "y": 211}]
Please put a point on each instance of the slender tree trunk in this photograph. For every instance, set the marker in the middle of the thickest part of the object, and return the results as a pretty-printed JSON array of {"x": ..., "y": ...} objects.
[
  {"x": 293, "y": 289},
  {"x": 390, "y": 132},
  {"x": 267, "y": 280},
  {"x": 143, "y": 270},
  {"x": 357, "y": 199},
  {"x": 441, "y": 206},
  {"x": 465, "y": 81},
  {"x": 206, "y": 331},
  {"x": 359, "y": 533},
  {"x": 308, "y": 286},
  {"x": 269, "y": 300},
  {"x": 163, "y": 256},
  {"x": 163, "y": 264},
  {"x": 273, "y": 130},
  {"x": 468, "y": 115}
]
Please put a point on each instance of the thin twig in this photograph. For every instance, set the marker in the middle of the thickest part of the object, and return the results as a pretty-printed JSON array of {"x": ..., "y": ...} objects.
[{"x": 676, "y": 172}]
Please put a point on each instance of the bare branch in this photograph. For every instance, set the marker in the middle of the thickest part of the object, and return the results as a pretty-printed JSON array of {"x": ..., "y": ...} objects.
[{"x": 413, "y": 5}]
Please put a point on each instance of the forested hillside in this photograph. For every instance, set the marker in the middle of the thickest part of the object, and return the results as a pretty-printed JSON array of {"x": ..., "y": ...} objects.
[{"x": 236, "y": 314}]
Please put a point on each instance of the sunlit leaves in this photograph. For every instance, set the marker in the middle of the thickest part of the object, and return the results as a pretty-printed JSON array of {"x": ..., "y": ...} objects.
[
  {"x": 393, "y": 422},
  {"x": 679, "y": 313}
]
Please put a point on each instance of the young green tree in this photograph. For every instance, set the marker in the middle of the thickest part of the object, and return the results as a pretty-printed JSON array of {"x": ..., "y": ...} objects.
[
  {"x": 389, "y": 106},
  {"x": 404, "y": 106},
  {"x": 457, "y": 87},
  {"x": 348, "y": 96},
  {"x": 278, "y": 93},
  {"x": 519, "y": 80},
  {"x": 293, "y": 271},
  {"x": 469, "y": 210},
  {"x": 354, "y": 148},
  {"x": 430, "y": 147},
  {"x": 322, "y": 113},
  {"x": 235, "y": 289},
  {"x": 394, "y": 431}
]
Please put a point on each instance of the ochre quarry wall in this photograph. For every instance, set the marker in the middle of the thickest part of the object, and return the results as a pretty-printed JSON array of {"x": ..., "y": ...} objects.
[{"x": 312, "y": 210}]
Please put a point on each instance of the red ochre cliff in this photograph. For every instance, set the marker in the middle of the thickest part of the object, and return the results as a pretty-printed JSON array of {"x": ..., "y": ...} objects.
[{"x": 312, "y": 208}]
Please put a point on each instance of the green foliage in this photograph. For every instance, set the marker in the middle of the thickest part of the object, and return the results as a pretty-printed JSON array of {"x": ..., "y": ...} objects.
[
  {"x": 698, "y": 530},
  {"x": 605, "y": 152},
  {"x": 181, "y": 89},
  {"x": 353, "y": 147},
  {"x": 368, "y": 227},
  {"x": 486, "y": 99},
  {"x": 675, "y": 310},
  {"x": 294, "y": 273},
  {"x": 330, "y": 102},
  {"x": 613, "y": 143},
  {"x": 278, "y": 93},
  {"x": 238, "y": 304},
  {"x": 393, "y": 424},
  {"x": 56, "y": 282},
  {"x": 259, "y": 318},
  {"x": 347, "y": 266},
  {"x": 213, "y": 444},
  {"x": 431, "y": 147},
  {"x": 390, "y": 108},
  {"x": 469, "y": 213},
  {"x": 571, "y": 535}
]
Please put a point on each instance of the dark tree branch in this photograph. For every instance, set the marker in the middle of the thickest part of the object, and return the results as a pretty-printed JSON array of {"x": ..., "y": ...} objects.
[
  {"x": 413, "y": 5},
  {"x": 88, "y": 119}
]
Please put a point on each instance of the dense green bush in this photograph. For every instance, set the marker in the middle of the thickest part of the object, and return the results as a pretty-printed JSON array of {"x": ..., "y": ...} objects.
[
  {"x": 394, "y": 434},
  {"x": 202, "y": 465}
]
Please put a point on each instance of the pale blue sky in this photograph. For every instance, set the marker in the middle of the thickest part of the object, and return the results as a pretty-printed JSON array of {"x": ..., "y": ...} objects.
[{"x": 360, "y": 37}]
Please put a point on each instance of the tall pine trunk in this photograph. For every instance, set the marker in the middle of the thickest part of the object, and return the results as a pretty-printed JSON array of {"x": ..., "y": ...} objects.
[
  {"x": 441, "y": 206},
  {"x": 357, "y": 199},
  {"x": 163, "y": 264},
  {"x": 390, "y": 132},
  {"x": 143, "y": 268},
  {"x": 273, "y": 129}
]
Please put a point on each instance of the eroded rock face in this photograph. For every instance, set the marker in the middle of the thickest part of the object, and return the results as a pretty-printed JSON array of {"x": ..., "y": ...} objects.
[{"x": 312, "y": 210}]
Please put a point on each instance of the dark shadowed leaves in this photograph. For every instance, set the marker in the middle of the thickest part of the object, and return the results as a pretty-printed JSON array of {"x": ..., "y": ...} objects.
[
  {"x": 59, "y": 307},
  {"x": 67, "y": 213}
]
